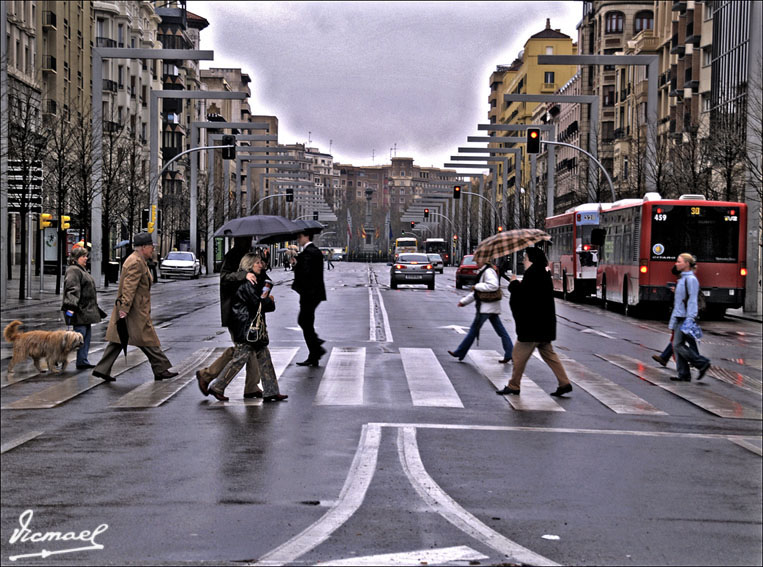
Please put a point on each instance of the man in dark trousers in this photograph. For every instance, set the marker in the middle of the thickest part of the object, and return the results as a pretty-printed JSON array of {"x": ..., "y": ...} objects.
[
  {"x": 230, "y": 279},
  {"x": 308, "y": 283}
]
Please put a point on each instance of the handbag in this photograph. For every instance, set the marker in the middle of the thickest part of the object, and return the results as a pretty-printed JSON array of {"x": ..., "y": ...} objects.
[
  {"x": 487, "y": 296},
  {"x": 691, "y": 328},
  {"x": 257, "y": 333}
]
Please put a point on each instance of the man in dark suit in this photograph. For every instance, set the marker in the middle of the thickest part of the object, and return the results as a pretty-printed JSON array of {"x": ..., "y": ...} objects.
[{"x": 308, "y": 283}]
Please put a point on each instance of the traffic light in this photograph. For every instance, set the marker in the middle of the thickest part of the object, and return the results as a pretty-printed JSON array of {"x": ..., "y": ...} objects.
[
  {"x": 290, "y": 195},
  {"x": 65, "y": 222},
  {"x": 151, "y": 227},
  {"x": 315, "y": 215},
  {"x": 500, "y": 229},
  {"x": 426, "y": 213},
  {"x": 45, "y": 220},
  {"x": 413, "y": 224},
  {"x": 456, "y": 191},
  {"x": 455, "y": 237},
  {"x": 229, "y": 153},
  {"x": 533, "y": 140}
]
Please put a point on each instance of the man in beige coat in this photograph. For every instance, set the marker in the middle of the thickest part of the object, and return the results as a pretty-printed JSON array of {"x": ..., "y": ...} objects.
[{"x": 134, "y": 305}]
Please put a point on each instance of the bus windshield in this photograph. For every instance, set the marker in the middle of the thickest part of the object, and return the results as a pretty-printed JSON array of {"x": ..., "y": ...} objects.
[{"x": 710, "y": 233}]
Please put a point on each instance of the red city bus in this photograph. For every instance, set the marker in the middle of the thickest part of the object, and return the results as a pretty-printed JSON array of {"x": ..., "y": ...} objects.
[
  {"x": 572, "y": 256},
  {"x": 639, "y": 240}
]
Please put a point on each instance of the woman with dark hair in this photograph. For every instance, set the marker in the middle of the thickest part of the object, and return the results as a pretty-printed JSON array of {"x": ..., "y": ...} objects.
[
  {"x": 532, "y": 304},
  {"x": 80, "y": 303}
]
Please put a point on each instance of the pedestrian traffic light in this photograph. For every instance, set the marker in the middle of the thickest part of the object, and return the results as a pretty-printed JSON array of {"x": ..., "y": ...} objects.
[
  {"x": 65, "y": 222},
  {"x": 426, "y": 213},
  {"x": 45, "y": 220},
  {"x": 315, "y": 215},
  {"x": 533, "y": 140},
  {"x": 455, "y": 237},
  {"x": 456, "y": 191},
  {"x": 290, "y": 195},
  {"x": 413, "y": 224},
  {"x": 229, "y": 153}
]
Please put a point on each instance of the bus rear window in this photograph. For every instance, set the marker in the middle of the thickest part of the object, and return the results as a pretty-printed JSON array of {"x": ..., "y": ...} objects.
[{"x": 710, "y": 233}]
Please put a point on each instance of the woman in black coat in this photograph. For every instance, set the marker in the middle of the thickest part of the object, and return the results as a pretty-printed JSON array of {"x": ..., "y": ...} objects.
[
  {"x": 248, "y": 300},
  {"x": 80, "y": 303},
  {"x": 532, "y": 304}
]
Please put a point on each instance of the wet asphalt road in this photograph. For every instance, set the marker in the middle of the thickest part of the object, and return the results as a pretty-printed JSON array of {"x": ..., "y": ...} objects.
[{"x": 309, "y": 481}]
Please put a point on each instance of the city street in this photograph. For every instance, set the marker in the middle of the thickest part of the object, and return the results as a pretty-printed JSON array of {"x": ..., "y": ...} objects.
[{"x": 391, "y": 452}]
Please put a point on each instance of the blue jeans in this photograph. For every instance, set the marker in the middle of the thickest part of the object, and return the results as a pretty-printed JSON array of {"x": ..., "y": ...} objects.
[
  {"x": 479, "y": 320},
  {"x": 687, "y": 352},
  {"x": 668, "y": 352},
  {"x": 83, "y": 330}
]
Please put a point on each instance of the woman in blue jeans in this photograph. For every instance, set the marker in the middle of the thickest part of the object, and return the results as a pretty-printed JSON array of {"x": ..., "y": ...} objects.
[{"x": 488, "y": 281}]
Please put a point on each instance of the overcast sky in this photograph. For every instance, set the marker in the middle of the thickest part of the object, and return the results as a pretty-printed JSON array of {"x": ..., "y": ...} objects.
[{"x": 360, "y": 77}]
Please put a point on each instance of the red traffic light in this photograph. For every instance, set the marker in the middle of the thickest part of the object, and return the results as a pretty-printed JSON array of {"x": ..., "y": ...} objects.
[{"x": 533, "y": 134}]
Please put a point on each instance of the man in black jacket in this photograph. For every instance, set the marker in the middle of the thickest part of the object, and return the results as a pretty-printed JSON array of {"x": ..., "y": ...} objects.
[
  {"x": 230, "y": 280},
  {"x": 308, "y": 283}
]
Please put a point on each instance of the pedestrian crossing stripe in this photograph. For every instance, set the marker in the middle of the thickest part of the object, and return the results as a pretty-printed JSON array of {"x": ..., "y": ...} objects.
[
  {"x": 533, "y": 398},
  {"x": 21, "y": 375},
  {"x": 72, "y": 387},
  {"x": 342, "y": 382},
  {"x": 697, "y": 394},
  {"x": 154, "y": 393},
  {"x": 427, "y": 381}
]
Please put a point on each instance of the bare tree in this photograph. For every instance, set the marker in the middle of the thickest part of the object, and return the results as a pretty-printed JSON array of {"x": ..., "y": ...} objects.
[{"x": 726, "y": 153}]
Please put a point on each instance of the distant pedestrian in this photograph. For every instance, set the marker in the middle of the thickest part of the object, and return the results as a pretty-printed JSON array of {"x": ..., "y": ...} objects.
[
  {"x": 80, "y": 302},
  {"x": 249, "y": 306},
  {"x": 683, "y": 321},
  {"x": 487, "y": 295},
  {"x": 308, "y": 283},
  {"x": 266, "y": 258},
  {"x": 532, "y": 304},
  {"x": 231, "y": 278},
  {"x": 133, "y": 304},
  {"x": 329, "y": 257}
]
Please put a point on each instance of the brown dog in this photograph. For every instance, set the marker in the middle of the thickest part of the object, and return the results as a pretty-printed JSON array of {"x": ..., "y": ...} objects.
[{"x": 53, "y": 346}]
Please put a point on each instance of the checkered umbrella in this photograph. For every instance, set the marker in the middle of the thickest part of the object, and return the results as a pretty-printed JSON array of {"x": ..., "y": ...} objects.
[{"x": 507, "y": 242}]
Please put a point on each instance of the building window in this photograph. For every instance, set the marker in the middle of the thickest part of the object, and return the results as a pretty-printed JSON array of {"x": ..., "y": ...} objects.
[
  {"x": 608, "y": 94},
  {"x": 614, "y": 22},
  {"x": 707, "y": 57},
  {"x": 644, "y": 21},
  {"x": 548, "y": 77}
]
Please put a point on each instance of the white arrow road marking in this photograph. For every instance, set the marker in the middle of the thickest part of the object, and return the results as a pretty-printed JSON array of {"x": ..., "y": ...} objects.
[
  {"x": 458, "y": 328},
  {"x": 294, "y": 328},
  {"x": 440, "y": 502},
  {"x": 419, "y": 557},
  {"x": 595, "y": 332}
]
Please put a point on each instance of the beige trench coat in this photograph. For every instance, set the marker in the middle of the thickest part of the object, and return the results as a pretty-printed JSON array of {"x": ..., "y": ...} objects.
[{"x": 134, "y": 297}]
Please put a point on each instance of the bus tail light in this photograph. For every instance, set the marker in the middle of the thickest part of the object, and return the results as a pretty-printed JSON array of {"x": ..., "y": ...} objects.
[
  {"x": 643, "y": 267},
  {"x": 743, "y": 269}
]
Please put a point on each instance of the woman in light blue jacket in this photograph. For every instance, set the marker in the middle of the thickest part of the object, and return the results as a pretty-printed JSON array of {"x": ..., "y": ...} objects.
[{"x": 683, "y": 321}]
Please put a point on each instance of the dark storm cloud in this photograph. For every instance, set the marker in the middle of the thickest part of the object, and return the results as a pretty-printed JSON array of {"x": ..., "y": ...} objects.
[{"x": 367, "y": 75}]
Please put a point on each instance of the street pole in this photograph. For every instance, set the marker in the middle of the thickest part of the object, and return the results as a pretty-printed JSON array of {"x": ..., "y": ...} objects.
[{"x": 4, "y": 126}]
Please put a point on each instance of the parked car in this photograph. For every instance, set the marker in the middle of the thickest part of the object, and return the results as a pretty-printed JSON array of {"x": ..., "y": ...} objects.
[
  {"x": 411, "y": 268},
  {"x": 466, "y": 273},
  {"x": 184, "y": 264},
  {"x": 437, "y": 262}
]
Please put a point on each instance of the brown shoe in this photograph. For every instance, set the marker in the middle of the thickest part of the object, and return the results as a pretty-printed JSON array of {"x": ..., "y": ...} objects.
[
  {"x": 659, "y": 359},
  {"x": 204, "y": 388},
  {"x": 219, "y": 395}
]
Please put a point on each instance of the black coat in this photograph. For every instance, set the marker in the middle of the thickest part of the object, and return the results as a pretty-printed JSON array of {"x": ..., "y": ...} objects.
[
  {"x": 244, "y": 308},
  {"x": 532, "y": 304},
  {"x": 308, "y": 275},
  {"x": 230, "y": 280}
]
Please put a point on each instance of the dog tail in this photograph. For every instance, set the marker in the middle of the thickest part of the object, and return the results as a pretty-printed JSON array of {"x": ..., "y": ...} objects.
[{"x": 12, "y": 332}]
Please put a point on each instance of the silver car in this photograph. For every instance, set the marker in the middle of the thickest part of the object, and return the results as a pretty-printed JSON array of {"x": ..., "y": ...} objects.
[
  {"x": 410, "y": 268},
  {"x": 437, "y": 262},
  {"x": 184, "y": 264}
]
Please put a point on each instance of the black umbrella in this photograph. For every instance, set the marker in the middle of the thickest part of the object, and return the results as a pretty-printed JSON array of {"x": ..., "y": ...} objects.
[
  {"x": 309, "y": 226},
  {"x": 258, "y": 225},
  {"x": 124, "y": 335}
]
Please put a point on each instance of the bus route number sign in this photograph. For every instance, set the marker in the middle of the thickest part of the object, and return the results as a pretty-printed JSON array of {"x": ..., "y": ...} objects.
[{"x": 589, "y": 217}]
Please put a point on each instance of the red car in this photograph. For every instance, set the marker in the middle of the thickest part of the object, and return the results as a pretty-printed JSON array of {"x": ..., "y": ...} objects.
[{"x": 466, "y": 273}]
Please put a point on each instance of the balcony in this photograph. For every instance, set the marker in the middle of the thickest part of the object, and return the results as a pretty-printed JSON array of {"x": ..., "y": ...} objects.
[
  {"x": 693, "y": 85},
  {"x": 105, "y": 42},
  {"x": 679, "y": 6},
  {"x": 48, "y": 20},
  {"x": 548, "y": 87},
  {"x": 50, "y": 107},
  {"x": 110, "y": 126},
  {"x": 48, "y": 64},
  {"x": 109, "y": 86}
]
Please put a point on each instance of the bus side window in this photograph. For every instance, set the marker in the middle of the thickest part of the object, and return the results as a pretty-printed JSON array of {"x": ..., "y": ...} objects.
[{"x": 597, "y": 236}]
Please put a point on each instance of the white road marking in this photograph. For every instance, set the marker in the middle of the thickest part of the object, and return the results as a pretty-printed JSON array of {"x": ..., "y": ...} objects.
[
  {"x": 600, "y": 333},
  {"x": 440, "y": 502},
  {"x": 385, "y": 318},
  {"x": 353, "y": 493},
  {"x": 427, "y": 381},
  {"x": 457, "y": 328},
  {"x": 532, "y": 398},
  {"x": 342, "y": 382},
  {"x": 20, "y": 440},
  {"x": 419, "y": 557}
]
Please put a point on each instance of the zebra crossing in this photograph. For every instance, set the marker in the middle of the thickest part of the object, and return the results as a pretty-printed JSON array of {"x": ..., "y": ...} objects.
[{"x": 343, "y": 381}]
